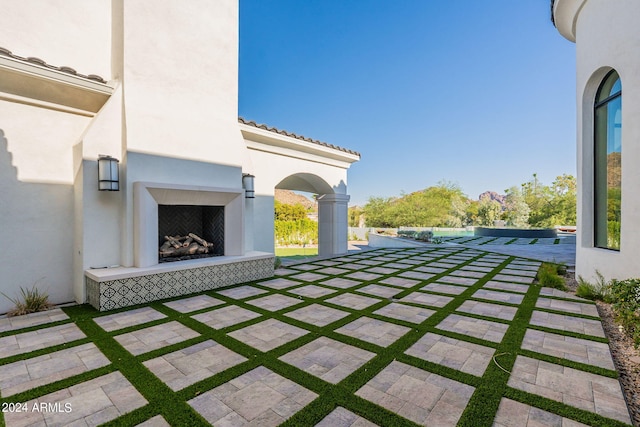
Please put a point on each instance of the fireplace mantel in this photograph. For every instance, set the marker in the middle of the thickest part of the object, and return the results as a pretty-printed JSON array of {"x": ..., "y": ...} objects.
[{"x": 148, "y": 195}]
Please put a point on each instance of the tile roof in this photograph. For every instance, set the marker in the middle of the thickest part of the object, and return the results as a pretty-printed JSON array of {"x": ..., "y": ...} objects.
[
  {"x": 40, "y": 62},
  {"x": 293, "y": 135}
]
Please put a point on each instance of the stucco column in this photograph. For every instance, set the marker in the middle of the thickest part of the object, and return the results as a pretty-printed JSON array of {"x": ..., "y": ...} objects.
[{"x": 332, "y": 224}]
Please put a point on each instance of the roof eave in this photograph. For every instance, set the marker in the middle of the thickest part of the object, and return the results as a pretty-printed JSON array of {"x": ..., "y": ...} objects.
[{"x": 565, "y": 16}]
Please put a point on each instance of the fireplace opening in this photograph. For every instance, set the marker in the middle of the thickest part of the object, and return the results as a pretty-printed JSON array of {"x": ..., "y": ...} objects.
[{"x": 190, "y": 232}]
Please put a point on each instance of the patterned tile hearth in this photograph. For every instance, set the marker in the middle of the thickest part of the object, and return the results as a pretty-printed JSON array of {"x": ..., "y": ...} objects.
[{"x": 123, "y": 292}]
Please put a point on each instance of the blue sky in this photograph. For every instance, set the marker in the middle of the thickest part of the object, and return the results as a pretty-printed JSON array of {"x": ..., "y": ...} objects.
[{"x": 480, "y": 93}]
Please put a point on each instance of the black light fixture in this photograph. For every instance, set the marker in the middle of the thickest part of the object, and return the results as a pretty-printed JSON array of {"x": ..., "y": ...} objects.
[
  {"x": 247, "y": 183},
  {"x": 108, "y": 173}
]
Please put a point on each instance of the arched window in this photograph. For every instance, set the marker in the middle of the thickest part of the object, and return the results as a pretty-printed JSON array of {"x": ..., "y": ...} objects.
[{"x": 608, "y": 162}]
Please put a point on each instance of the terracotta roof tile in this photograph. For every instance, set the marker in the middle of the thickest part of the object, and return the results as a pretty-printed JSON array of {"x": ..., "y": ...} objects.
[
  {"x": 40, "y": 62},
  {"x": 296, "y": 136}
]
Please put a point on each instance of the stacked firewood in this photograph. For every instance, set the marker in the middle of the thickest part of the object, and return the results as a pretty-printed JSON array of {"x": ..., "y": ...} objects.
[{"x": 191, "y": 244}]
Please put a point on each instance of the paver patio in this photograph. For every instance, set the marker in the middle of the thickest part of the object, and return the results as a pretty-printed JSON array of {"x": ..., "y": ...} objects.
[{"x": 340, "y": 351}]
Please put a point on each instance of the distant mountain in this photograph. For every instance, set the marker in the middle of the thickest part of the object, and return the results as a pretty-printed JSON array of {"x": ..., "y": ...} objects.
[
  {"x": 290, "y": 198},
  {"x": 492, "y": 195}
]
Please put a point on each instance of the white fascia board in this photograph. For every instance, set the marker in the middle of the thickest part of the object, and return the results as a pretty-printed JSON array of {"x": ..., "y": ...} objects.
[
  {"x": 37, "y": 71},
  {"x": 294, "y": 154},
  {"x": 265, "y": 140}
]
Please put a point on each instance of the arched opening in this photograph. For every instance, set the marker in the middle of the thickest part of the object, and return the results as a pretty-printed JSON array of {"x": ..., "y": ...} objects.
[{"x": 331, "y": 211}]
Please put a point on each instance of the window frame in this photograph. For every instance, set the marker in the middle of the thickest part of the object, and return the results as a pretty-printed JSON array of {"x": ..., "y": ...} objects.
[{"x": 600, "y": 166}]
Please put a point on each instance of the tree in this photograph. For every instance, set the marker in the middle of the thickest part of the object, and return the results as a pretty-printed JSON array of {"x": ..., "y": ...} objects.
[
  {"x": 516, "y": 209},
  {"x": 489, "y": 211},
  {"x": 551, "y": 205},
  {"x": 285, "y": 212},
  {"x": 442, "y": 205},
  {"x": 356, "y": 215}
]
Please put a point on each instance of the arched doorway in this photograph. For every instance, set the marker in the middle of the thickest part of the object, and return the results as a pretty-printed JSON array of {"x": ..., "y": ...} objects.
[{"x": 332, "y": 210}]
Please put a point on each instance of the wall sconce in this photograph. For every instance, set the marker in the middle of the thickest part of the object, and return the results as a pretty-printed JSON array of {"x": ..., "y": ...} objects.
[
  {"x": 108, "y": 173},
  {"x": 247, "y": 183}
]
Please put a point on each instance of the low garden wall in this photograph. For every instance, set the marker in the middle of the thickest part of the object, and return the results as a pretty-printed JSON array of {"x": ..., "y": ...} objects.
[{"x": 540, "y": 233}]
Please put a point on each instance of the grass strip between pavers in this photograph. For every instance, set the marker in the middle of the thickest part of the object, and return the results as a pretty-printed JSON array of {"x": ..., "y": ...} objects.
[{"x": 480, "y": 411}]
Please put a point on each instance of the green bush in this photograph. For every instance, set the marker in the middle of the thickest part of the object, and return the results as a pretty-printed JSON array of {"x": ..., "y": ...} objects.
[
  {"x": 407, "y": 233},
  {"x": 548, "y": 276},
  {"x": 424, "y": 236},
  {"x": 625, "y": 295},
  {"x": 277, "y": 263},
  {"x": 298, "y": 232}
]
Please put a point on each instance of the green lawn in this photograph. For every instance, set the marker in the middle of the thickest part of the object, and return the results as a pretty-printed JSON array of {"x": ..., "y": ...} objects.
[{"x": 297, "y": 252}]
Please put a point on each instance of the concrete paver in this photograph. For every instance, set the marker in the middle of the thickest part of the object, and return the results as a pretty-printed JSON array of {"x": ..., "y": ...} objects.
[
  {"x": 155, "y": 337},
  {"x": 30, "y": 373},
  {"x": 443, "y": 288},
  {"x": 274, "y": 302},
  {"x": 353, "y": 301},
  {"x": 567, "y": 306},
  {"x": 420, "y": 396},
  {"x": 125, "y": 319},
  {"x": 279, "y": 283},
  {"x": 196, "y": 303},
  {"x": 225, "y": 316},
  {"x": 328, "y": 359},
  {"x": 498, "y": 296},
  {"x": 515, "y": 414},
  {"x": 341, "y": 283},
  {"x": 487, "y": 309},
  {"x": 184, "y": 367},
  {"x": 399, "y": 281},
  {"x": 461, "y": 355},
  {"x": 427, "y": 299},
  {"x": 32, "y": 319},
  {"x": 408, "y": 313},
  {"x": 563, "y": 322},
  {"x": 341, "y": 417},
  {"x": 478, "y": 328},
  {"x": 42, "y": 338},
  {"x": 317, "y": 314},
  {"x": 584, "y": 390},
  {"x": 576, "y": 349},
  {"x": 268, "y": 334},
  {"x": 260, "y": 397},
  {"x": 374, "y": 331},
  {"x": 242, "y": 292},
  {"x": 379, "y": 291},
  {"x": 89, "y": 403},
  {"x": 312, "y": 291}
]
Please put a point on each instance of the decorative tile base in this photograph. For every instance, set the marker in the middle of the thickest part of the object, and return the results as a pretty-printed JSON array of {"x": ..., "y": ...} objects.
[{"x": 123, "y": 292}]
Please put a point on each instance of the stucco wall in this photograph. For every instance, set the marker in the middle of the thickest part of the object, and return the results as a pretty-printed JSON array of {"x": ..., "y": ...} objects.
[
  {"x": 180, "y": 74},
  {"x": 75, "y": 33},
  {"x": 607, "y": 37},
  {"x": 36, "y": 211}
]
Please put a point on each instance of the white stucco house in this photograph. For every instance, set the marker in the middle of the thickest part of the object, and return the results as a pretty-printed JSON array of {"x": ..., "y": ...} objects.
[
  {"x": 607, "y": 38},
  {"x": 154, "y": 85}
]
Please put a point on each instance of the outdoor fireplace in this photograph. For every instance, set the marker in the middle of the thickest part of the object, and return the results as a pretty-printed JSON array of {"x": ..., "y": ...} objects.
[
  {"x": 190, "y": 232},
  {"x": 214, "y": 214}
]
